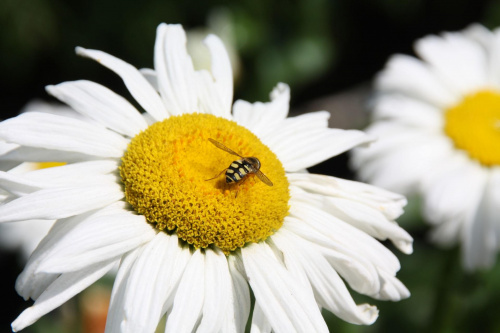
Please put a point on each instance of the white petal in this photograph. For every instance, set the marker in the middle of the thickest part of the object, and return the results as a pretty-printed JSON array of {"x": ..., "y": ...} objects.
[
  {"x": 300, "y": 143},
  {"x": 359, "y": 272},
  {"x": 148, "y": 285},
  {"x": 101, "y": 104},
  {"x": 34, "y": 154},
  {"x": 494, "y": 61},
  {"x": 62, "y": 289},
  {"x": 285, "y": 303},
  {"x": 217, "y": 291},
  {"x": 174, "y": 70},
  {"x": 53, "y": 204},
  {"x": 150, "y": 75},
  {"x": 262, "y": 118},
  {"x": 188, "y": 301},
  {"x": 71, "y": 174},
  {"x": 24, "y": 235},
  {"x": 453, "y": 190},
  {"x": 481, "y": 240},
  {"x": 260, "y": 324},
  {"x": 42, "y": 130},
  {"x": 345, "y": 238},
  {"x": 392, "y": 289},
  {"x": 239, "y": 308},
  {"x": 400, "y": 159},
  {"x": 409, "y": 76},
  {"x": 19, "y": 185},
  {"x": 389, "y": 203},
  {"x": 209, "y": 100},
  {"x": 371, "y": 221},
  {"x": 138, "y": 86},
  {"x": 458, "y": 61},
  {"x": 97, "y": 239},
  {"x": 116, "y": 311},
  {"x": 31, "y": 285},
  {"x": 60, "y": 176},
  {"x": 222, "y": 73},
  {"x": 408, "y": 111},
  {"x": 331, "y": 292}
]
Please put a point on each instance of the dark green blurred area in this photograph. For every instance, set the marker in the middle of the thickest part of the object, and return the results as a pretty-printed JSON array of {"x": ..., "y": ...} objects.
[{"x": 318, "y": 47}]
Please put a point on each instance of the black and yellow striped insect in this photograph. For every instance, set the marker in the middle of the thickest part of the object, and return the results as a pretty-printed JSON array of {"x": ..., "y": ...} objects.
[{"x": 238, "y": 171}]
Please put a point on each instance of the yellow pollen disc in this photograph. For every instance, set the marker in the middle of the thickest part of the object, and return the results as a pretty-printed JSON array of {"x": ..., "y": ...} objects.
[
  {"x": 474, "y": 126},
  {"x": 165, "y": 171}
]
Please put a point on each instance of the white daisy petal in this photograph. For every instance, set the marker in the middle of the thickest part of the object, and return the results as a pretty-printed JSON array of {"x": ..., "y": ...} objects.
[
  {"x": 262, "y": 118},
  {"x": 359, "y": 272},
  {"x": 18, "y": 185},
  {"x": 330, "y": 290},
  {"x": 42, "y": 130},
  {"x": 101, "y": 104},
  {"x": 63, "y": 288},
  {"x": 367, "y": 216},
  {"x": 188, "y": 303},
  {"x": 345, "y": 238},
  {"x": 299, "y": 144},
  {"x": 494, "y": 63},
  {"x": 66, "y": 174},
  {"x": 392, "y": 288},
  {"x": 34, "y": 154},
  {"x": 287, "y": 306},
  {"x": 24, "y": 184},
  {"x": 116, "y": 311},
  {"x": 217, "y": 291},
  {"x": 389, "y": 156},
  {"x": 444, "y": 199},
  {"x": 481, "y": 237},
  {"x": 418, "y": 81},
  {"x": 260, "y": 324},
  {"x": 147, "y": 287},
  {"x": 239, "y": 307},
  {"x": 222, "y": 73},
  {"x": 56, "y": 203},
  {"x": 209, "y": 100},
  {"x": 31, "y": 285},
  {"x": 150, "y": 75},
  {"x": 408, "y": 111},
  {"x": 138, "y": 86},
  {"x": 389, "y": 203},
  {"x": 97, "y": 239},
  {"x": 457, "y": 60},
  {"x": 174, "y": 69}
]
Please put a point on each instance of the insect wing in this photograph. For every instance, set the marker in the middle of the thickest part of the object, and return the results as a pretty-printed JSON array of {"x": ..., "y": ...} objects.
[
  {"x": 264, "y": 178},
  {"x": 221, "y": 146}
]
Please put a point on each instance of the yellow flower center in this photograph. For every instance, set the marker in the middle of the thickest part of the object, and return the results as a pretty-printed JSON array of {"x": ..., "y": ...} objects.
[
  {"x": 165, "y": 171},
  {"x": 474, "y": 126}
]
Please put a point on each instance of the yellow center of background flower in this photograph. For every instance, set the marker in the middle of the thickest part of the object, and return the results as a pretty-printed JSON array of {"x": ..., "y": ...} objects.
[
  {"x": 165, "y": 171},
  {"x": 474, "y": 126}
]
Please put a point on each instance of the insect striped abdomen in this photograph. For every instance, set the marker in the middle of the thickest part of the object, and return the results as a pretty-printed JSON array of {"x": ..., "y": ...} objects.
[{"x": 237, "y": 171}]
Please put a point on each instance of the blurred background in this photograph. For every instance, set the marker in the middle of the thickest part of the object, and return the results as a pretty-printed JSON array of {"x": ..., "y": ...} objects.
[{"x": 328, "y": 51}]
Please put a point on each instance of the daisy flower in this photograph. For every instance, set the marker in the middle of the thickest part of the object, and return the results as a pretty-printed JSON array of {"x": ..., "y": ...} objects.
[
  {"x": 438, "y": 123},
  {"x": 135, "y": 191}
]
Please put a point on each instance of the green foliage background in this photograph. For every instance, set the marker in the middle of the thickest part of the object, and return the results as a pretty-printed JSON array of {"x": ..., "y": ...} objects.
[{"x": 318, "y": 47}]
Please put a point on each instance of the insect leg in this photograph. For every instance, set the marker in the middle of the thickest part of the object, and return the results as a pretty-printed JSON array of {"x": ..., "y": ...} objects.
[
  {"x": 238, "y": 187},
  {"x": 220, "y": 173}
]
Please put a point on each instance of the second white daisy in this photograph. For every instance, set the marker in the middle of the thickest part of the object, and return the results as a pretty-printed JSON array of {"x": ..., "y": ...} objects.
[{"x": 438, "y": 123}]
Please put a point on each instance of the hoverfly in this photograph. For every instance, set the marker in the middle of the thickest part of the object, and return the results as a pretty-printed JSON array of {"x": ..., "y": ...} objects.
[{"x": 238, "y": 170}]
